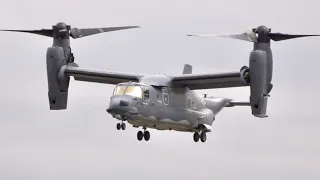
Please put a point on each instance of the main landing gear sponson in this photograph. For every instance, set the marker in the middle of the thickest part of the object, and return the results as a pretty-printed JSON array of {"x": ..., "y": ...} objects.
[
  {"x": 121, "y": 126},
  {"x": 145, "y": 135},
  {"x": 202, "y": 136}
]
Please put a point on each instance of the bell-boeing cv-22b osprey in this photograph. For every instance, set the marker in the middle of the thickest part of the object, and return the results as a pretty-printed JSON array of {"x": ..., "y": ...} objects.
[{"x": 163, "y": 102}]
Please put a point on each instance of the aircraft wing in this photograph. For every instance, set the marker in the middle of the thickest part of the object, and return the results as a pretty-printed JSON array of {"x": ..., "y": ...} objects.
[
  {"x": 89, "y": 75},
  {"x": 209, "y": 81}
]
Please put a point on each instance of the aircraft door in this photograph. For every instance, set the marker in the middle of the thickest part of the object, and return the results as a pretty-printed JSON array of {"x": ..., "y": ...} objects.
[{"x": 158, "y": 108}]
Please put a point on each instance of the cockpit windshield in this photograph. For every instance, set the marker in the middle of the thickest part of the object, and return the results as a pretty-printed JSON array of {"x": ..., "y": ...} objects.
[{"x": 138, "y": 91}]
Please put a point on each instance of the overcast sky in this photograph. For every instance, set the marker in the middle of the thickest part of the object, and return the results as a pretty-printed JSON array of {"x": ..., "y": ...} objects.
[{"x": 82, "y": 142}]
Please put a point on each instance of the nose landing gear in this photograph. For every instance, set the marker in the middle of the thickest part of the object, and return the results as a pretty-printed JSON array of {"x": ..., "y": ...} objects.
[{"x": 121, "y": 126}]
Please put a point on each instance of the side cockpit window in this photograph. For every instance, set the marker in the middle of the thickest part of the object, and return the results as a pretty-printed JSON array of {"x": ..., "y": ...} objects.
[{"x": 145, "y": 93}]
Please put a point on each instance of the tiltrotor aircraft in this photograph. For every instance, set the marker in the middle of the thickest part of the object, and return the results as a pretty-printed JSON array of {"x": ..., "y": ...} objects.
[{"x": 163, "y": 102}]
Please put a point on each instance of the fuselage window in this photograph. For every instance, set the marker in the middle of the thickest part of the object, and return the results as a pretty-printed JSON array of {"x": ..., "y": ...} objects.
[
  {"x": 165, "y": 98},
  {"x": 189, "y": 102}
]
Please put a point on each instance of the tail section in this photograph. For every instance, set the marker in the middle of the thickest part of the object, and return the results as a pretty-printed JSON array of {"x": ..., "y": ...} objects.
[{"x": 216, "y": 104}]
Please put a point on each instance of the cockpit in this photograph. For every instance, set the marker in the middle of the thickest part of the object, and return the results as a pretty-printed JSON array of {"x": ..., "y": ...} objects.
[{"x": 135, "y": 90}]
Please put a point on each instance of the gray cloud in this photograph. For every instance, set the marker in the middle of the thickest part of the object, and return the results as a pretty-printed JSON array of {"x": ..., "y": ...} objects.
[{"x": 83, "y": 143}]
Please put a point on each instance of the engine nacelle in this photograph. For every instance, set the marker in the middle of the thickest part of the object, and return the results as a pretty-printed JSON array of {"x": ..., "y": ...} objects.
[
  {"x": 259, "y": 82},
  {"x": 58, "y": 85}
]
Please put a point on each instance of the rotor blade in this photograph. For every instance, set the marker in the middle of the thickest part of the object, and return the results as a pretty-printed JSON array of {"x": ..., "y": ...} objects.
[
  {"x": 280, "y": 37},
  {"x": 42, "y": 32},
  {"x": 244, "y": 36},
  {"x": 202, "y": 35},
  {"x": 79, "y": 33}
]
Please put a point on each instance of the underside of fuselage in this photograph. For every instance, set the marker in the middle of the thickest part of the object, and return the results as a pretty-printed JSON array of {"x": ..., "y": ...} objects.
[
  {"x": 151, "y": 122},
  {"x": 163, "y": 124}
]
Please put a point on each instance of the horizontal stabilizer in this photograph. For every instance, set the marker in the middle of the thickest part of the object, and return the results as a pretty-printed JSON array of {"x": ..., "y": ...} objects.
[
  {"x": 261, "y": 113},
  {"x": 233, "y": 103}
]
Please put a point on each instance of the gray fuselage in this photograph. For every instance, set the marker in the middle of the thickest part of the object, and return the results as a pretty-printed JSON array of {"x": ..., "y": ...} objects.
[{"x": 164, "y": 107}]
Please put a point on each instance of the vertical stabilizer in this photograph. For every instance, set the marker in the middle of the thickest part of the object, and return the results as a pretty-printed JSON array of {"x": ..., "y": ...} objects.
[{"x": 187, "y": 69}]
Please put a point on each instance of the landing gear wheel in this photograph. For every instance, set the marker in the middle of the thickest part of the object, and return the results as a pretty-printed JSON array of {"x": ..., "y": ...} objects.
[
  {"x": 118, "y": 126},
  {"x": 196, "y": 137},
  {"x": 146, "y": 135},
  {"x": 140, "y": 135},
  {"x": 123, "y": 126},
  {"x": 203, "y": 137}
]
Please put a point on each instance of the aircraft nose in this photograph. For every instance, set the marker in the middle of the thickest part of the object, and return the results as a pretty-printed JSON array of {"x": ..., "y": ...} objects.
[{"x": 118, "y": 106}]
